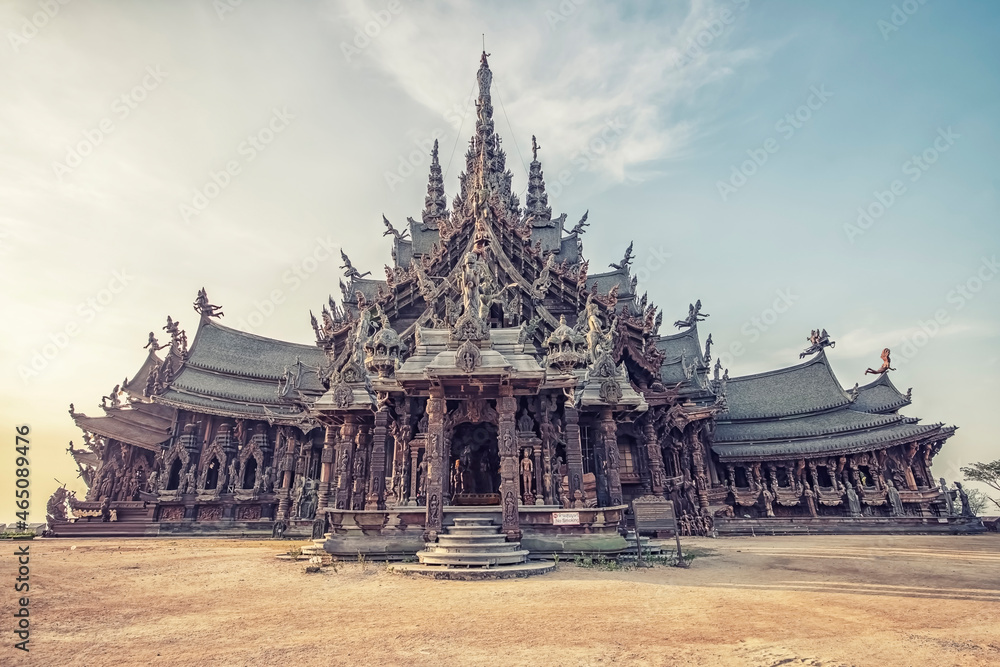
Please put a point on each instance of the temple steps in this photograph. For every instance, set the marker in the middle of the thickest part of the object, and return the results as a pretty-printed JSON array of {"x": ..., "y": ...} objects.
[{"x": 474, "y": 548}]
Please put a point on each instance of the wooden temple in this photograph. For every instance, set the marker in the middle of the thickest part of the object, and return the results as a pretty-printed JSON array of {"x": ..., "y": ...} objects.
[{"x": 490, "y": 375}]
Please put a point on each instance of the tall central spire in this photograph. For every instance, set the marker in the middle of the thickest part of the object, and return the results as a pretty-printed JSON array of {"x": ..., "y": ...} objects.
[{"x": 486, "y": 178}]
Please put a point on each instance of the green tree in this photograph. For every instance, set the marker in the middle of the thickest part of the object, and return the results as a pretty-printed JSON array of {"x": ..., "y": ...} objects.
[{"x": 986, "y": 473}]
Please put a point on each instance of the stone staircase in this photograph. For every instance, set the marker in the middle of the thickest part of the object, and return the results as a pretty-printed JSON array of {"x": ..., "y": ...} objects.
[{"x": 474, "y": 548}]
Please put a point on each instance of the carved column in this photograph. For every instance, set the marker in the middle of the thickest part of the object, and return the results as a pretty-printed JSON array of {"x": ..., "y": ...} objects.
[
  {"x": 700, "y": 476},
  {"x": 362, "y": 455},
  {"x": 506, "y": 407},
  {"x": 539, "y": 471},
  {"x": 325, "y": 472},
  {"x": 574, "y": 456},
  {"x": 414, "y": 454},
  {"x": 376, "y": 476},
  {"x": 436, "y": 463},
  {"x": 342, "y": 469},
  {"x": 655, "y": 458},
  {"x": 609, "y": 435}
]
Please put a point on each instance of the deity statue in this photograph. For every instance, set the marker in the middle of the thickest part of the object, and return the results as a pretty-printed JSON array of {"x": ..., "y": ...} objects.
[
  {"x": 527, "y": 473},
  {"x": 768, "y": 499},
  {"x": 949, "y": 501},
  {"x": 895, "y": 502},
  {"x": 885, "y": 367},
  {"x": 853, "y": 504}
]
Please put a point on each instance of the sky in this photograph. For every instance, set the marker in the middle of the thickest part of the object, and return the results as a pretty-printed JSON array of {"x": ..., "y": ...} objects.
[{"x": 793, "y": 165}]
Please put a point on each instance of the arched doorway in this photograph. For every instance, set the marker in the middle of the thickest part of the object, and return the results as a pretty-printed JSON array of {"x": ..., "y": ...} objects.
[{"x": 474, "y": 465}]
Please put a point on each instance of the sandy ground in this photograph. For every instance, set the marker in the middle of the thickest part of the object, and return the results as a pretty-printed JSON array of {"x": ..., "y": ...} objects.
[{"x": 923, "y": 600}]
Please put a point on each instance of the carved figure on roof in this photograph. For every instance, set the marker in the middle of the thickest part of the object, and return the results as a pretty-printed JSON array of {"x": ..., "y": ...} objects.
[
  {"x": 708, "y": 350},
  {"x": 349, "y": 270},
  {"x": 112, "y": 400},
  {"x": 470, "y": 282},
  {"x": 885, "y": 367},
  {"x": 203, "y": 307},
  {"x": 817, "y": 341},
  {"x": 389, "y": 229},
  {"x": 152, "y": 344},
  {"x": 626, "y": 261},
  {"x": 694, "y": 316},
  {"x": 597, "y": 340},
  {"x": 581, "y": 226}
]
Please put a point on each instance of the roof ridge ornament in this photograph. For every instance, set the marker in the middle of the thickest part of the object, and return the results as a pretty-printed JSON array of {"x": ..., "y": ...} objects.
[
  {"x": 626, "y": 261},
  {"x": 389, "y": 229},
  {"x": 204, "y": 308},
  {"x": 817, "y": 341},
  {"x": 694, "y": 315},
  {"x": 885, "y": 367},
  {"x": 349, "y": 270}
]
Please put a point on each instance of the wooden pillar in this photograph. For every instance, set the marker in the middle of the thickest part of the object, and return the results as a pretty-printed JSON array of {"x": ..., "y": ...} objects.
[
  {"x": 657, "y": 477},
  {"x": 539, "y": 471},
  {"x": 698, "y": 468},
  {"x": 325, "y": 471},
  {"x": 414, "y": 454},
  {"x": 436, "y": 462},
  {"x": 342, "y": 469},
  {"x": 609, "y": 434},
  {"x": 574, "y": 456},
  {"x": 375, "y": 499},
  {"x": 362, "y": 456},
  {"x": 506, "y": 407},
  {"x": 286, "y": 467}
]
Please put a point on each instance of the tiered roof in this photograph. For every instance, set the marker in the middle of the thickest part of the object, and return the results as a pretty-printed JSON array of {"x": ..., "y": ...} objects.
[
  {"x": 238, "y": 374},
  {"x": 804, "y": 411}
]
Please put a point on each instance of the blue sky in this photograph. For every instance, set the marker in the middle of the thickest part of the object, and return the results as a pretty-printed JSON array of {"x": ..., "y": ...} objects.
[{"x": 643, "y": 108}]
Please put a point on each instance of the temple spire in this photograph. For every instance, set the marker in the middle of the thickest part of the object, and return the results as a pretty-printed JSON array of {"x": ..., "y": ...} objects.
[
  {"x": 536, "y": 201},
  {"x": 435, "y": 203}
]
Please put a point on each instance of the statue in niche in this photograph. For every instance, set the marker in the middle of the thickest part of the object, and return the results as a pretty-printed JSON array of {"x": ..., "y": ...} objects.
[
  {"x": 853, "y": 504},
  {"x": 527, "y": 473},
  {"x": 895, "y": 502}
]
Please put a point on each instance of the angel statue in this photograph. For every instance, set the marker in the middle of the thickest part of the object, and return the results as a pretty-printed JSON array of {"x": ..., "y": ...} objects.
[
  {"x": 885, "y": 365},
  {"x": 349, "y": 270},
  {"x": 389, "y": 229}
]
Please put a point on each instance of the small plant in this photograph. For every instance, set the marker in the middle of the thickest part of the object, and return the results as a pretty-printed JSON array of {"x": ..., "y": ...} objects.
[
  {"x": 363, "y": 561},
  {"x": 295, "y": 553},
  {"x": 555, "y": 559}
]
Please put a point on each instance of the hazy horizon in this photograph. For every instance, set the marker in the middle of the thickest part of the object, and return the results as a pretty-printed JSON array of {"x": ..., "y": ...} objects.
[{"x": 793, "y": 166}]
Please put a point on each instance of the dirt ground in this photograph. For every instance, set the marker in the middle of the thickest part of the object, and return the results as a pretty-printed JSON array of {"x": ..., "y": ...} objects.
[{"x": 821, "y": 600}]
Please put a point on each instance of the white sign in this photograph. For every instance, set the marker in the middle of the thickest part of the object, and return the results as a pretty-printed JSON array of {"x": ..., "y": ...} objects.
[{"x": 565, "y": 518}]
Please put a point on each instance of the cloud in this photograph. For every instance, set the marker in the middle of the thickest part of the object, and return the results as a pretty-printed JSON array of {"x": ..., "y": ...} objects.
[{"x": 639, "y": 69}]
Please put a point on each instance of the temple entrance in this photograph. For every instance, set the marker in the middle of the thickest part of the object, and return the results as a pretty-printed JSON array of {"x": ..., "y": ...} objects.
[{"x": 474, "y": 465}]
